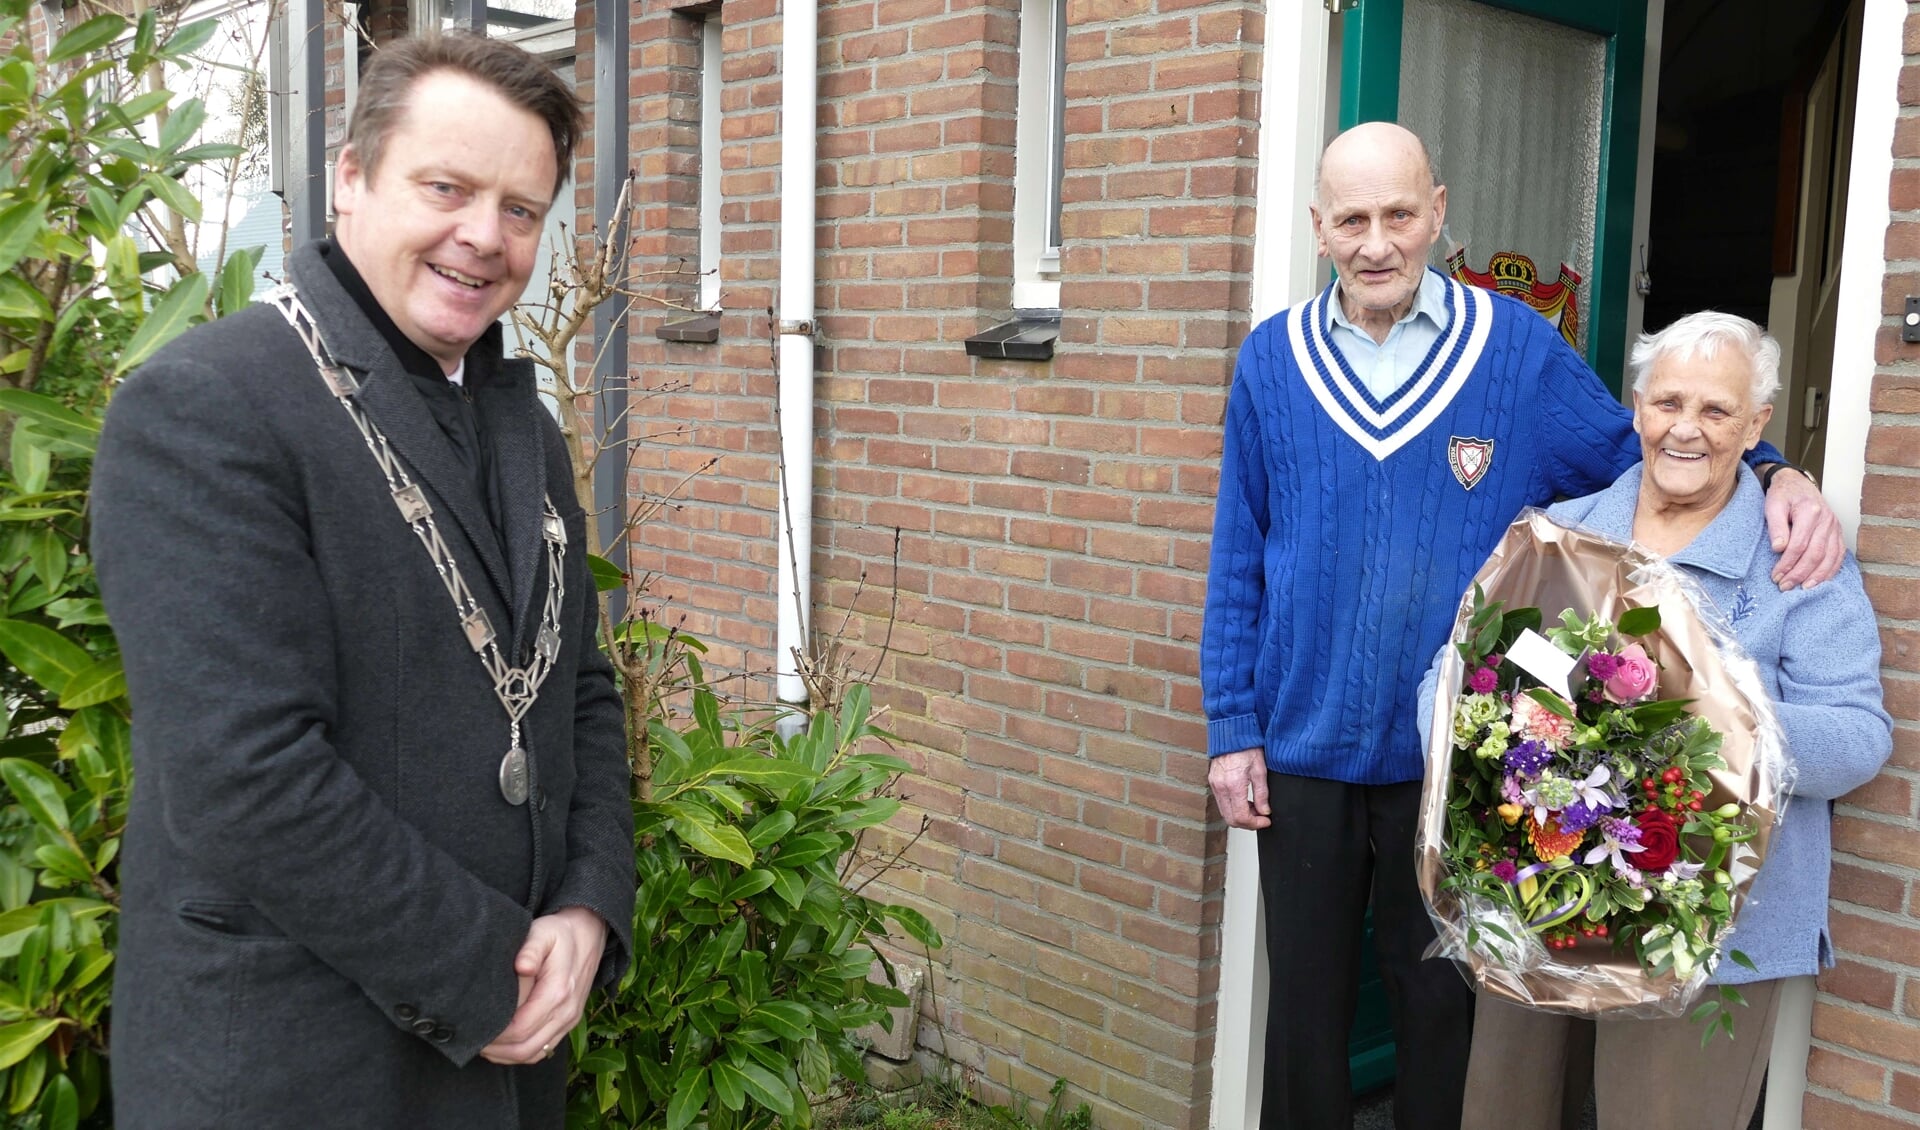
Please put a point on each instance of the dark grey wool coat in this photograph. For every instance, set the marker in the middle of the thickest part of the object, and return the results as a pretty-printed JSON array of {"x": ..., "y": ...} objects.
[{"x": 323, "y": 888}]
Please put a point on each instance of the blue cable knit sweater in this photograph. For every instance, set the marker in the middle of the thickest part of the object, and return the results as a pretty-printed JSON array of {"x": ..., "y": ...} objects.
[{"x": 1344, "y": 534}]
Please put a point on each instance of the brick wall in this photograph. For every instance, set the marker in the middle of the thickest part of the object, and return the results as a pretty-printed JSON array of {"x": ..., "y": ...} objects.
[
  {"x": 1034, "y": 639},
  {"x": 1864, "y": 1070}
]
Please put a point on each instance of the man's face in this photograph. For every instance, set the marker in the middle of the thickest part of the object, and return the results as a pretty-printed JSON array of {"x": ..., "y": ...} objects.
[
  {"x": 1378, "y": 216},
  {"x": 446, "y": 229}
]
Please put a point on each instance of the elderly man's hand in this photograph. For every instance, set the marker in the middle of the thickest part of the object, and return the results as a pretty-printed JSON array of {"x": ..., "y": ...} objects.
[
  {"x": 1234, "y": 777},
  {"x": 1805, "y": 533},
  {"x": 555, "y": 967}
]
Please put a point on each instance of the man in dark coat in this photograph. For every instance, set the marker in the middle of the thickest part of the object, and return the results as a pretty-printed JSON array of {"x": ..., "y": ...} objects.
[{"x": 356, "y": 891}]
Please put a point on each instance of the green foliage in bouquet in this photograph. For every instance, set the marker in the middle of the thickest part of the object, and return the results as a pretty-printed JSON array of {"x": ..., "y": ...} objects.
[
  {"x": 753, "y": 944},
  {"x": 1592, "y": 820},
  {"x": 78, "y": 308}
]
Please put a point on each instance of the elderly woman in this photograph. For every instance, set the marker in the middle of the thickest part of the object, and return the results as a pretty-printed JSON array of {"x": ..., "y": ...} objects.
[{"x": 1702, "y": 389}]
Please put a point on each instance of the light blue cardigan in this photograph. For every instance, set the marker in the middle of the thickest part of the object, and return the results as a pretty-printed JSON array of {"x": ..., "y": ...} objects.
[{"x": 1818, "y": 651}]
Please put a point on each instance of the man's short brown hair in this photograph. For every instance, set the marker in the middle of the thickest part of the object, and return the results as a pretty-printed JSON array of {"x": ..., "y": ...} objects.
[{"x": 387, "y": 82}]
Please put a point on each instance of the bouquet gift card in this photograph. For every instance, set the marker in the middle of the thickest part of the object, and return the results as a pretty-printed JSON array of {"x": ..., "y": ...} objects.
[{"x": 1603, "y": 776}]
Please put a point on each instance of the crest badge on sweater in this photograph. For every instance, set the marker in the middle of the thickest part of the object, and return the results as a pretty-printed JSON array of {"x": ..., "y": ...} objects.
[{"x": 1469, "y": 459}]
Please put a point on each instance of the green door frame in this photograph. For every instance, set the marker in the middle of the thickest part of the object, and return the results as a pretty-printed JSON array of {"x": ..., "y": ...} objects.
[{"x": 1370, "y": 92}]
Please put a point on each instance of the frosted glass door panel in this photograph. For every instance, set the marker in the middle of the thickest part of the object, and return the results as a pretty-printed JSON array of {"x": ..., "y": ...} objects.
[{"x": 1511, "y": 108}]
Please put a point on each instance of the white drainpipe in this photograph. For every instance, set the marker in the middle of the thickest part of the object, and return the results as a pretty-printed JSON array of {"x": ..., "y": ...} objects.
[{"x": 799, "y": 54}]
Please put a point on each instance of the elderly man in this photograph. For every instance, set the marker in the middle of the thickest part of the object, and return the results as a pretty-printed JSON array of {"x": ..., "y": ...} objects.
[
  {"x": 1379, "y": 439},
  {"x": 380, "y": 843}
]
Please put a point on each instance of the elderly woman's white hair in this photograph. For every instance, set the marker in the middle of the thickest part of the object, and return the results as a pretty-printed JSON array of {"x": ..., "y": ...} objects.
[{"x": 1704, "y": 334}]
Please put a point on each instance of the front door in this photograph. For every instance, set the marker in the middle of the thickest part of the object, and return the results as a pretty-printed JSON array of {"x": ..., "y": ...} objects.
[{"x": 1531, "y": 112}]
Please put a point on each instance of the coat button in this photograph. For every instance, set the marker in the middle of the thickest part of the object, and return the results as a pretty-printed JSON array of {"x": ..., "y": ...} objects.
[
  {"x": 441, "y": 1034},
  {"x": 405, "y": 1012},
  {"x": 424, "y": 1026}
]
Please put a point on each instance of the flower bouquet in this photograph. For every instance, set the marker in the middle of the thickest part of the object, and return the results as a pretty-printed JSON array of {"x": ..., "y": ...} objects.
[{"x": 1599, "y": 793}]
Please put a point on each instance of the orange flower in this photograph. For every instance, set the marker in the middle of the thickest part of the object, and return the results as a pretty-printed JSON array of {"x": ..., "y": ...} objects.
[{"x": 1549, "y": 842}]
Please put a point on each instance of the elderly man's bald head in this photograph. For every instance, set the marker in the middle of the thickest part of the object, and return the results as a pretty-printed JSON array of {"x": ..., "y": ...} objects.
[
  {"x": 1377, "y": 214},
  {"x": 1371, "y": 143}
]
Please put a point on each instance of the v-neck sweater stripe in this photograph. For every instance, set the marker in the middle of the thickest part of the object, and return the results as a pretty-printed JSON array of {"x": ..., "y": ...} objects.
[{"x": 1342, "y": 544}]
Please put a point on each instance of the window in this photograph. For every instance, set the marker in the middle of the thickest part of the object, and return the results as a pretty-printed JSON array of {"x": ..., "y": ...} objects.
[
  {"x": 1039, "y": 149},
  {"x": 710, "y": 162}
]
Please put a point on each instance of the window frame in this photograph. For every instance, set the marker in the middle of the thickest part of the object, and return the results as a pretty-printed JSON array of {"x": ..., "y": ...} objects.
[{"x": 1039, "y": 155}]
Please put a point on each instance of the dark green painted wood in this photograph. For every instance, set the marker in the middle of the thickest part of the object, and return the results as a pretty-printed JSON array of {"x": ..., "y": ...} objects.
[{"x": 1370, "y": 63}]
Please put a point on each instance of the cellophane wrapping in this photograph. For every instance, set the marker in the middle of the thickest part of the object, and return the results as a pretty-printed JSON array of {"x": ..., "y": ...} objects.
[{"x": 1544, "y": 564}]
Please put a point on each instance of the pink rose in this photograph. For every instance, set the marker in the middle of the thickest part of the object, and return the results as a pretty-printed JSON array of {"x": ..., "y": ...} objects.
[
  {"x": 1633, "y": 678},
  {"x": 1483, "y": 680}
]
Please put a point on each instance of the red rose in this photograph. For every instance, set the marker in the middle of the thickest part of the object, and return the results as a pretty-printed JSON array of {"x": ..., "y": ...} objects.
[{"x": 1659, "y": 841}]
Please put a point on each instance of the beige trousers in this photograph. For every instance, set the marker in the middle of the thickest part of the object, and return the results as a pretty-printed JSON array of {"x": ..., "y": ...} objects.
[{"x": 1531, "y": 1070}]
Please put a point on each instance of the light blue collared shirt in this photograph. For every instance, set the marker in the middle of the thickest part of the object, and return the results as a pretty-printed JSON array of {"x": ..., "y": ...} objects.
[{"x": 1386, "y": 365}]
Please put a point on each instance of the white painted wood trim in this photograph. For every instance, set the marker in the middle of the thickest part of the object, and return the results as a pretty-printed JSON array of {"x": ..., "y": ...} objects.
[
  {"x": 1292, "y": 131},
  {"x": 1862, "y": 267}
]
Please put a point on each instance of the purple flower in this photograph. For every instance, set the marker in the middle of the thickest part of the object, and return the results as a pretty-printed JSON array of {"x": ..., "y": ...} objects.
[
  {"x": 1579, "y": 816},
  {"x": 1620, "y": 829},
  {"x": 1505, "y": 871},
  {"x": 1528, "y": 758},
  {"x": 1601, "y": 665},
  {"x": 1483, "y": 680}
]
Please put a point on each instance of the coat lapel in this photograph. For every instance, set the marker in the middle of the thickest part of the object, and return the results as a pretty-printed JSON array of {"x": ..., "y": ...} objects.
[
  {"x": 387, "y": 395},
  {"x": 511, "y": 411}
]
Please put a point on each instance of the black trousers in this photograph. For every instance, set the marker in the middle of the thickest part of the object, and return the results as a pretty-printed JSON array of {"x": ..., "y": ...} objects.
[{"x": 1331, "y": 844}]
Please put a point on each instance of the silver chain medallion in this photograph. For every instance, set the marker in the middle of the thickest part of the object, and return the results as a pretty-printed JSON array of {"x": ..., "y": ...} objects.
[{"x": 517, "y": 688}]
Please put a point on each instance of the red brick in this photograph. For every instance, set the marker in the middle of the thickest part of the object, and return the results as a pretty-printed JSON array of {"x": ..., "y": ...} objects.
[
  {"x": 1822, "y": 1113},
  {"x": 1885, "y": 794},
  {"x": 1862, "y": 984},
  {"x": 1867, "y": 887},
  {"x": 1868, "y": 1032},
  {"x": 1855, "y": 1078},
  {"x": 1906, "y": 1091}
]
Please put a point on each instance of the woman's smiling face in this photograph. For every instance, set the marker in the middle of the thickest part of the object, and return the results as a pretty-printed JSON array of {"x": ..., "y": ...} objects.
[{"x": 1696, "y": 419}]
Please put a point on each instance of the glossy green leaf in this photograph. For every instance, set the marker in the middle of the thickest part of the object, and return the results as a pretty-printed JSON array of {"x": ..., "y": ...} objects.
[
  {"x": 20, "y": 225},
  {"x": 37, "y": 790},
  {"x": 914, "y": 923},
  {"x": 788, "y": 1020},
  {"x": 599, "y": 1061},
  {"x": 170, "y": 317},
  {"x": 689, "y": 1099},
  {"x": 770, "y": 828},
  {"x": 18, "y": 1039},
  {"x": 767, "y": 1088},
  {"x": 30, "y": 461},
  {"x": 190, "y": 38},
  {"x": 27, "y": 1079},
  {"x": 49, "y": 556},
  {"x": 40, "y": 408},
  {"x": 1640, "y": 621},
  {"x": 698, "y": 829},
  {"x": 729, "y": 1085},
  {"x": 42, "y": 654},
  {"x": 89, "y": 36},
  {"x": 183, "y": 122},
  {"x": 173, "y": 194},
  {"x": 606, "y": 575},
  {"x": 776, "y": 775},
  {"x": 102, "y": 682},
  {"x": 236, "y": 280},
  {"x": 60, "y": 1105}
]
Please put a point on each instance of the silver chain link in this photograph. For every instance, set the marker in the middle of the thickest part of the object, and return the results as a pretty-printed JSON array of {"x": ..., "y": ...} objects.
[{"x": 517, "y": 687}]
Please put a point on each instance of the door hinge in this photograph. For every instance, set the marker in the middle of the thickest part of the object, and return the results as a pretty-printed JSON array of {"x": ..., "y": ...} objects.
[{"x": 1339, "y": 6}]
